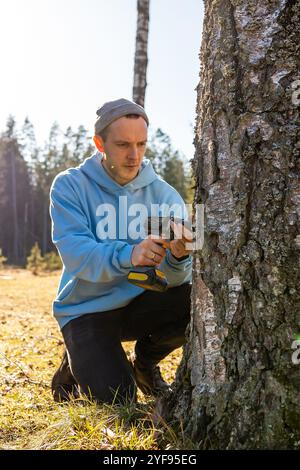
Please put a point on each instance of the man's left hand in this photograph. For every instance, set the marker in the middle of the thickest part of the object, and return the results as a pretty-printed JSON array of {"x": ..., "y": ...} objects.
[{"x": 182, "y": 243}]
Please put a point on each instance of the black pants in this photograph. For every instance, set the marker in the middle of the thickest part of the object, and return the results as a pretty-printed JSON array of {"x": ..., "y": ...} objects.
[{"x": 97, "y": 361}]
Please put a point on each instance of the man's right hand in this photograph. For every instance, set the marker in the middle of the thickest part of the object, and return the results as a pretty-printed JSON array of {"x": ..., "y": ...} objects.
[{"x": 149, "y": 252}]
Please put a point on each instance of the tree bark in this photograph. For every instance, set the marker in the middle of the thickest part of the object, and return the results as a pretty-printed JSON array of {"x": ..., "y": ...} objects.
[
  {"x": 237, "y": 386},
  {"x": 141, "y": 56}
]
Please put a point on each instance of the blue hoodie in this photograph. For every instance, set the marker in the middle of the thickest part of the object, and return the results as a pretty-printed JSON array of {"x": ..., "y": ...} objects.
[{"x": 94, "y": 275}]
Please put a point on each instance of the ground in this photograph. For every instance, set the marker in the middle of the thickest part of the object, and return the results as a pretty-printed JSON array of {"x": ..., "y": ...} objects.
[{"x": 30, "y": 350}]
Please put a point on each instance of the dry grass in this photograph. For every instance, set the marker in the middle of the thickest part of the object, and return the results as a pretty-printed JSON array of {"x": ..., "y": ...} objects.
[{"x": 30, "y": 350}]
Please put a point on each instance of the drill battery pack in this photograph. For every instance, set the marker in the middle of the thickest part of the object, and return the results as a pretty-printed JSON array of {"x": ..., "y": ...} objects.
[{"x": 152, "y": 279}]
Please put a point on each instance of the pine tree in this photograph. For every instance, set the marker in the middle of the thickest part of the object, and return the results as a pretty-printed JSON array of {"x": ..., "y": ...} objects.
[
  {"x": 14, "y": 194},
  {"x": 167, "y": 162},
  {"x": 3, "y": 259},
  {"x": 35, "y": 262}
]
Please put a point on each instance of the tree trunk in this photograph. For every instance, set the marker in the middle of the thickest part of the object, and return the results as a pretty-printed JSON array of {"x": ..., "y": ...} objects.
[
  {"x": 45, "y": 225},
  {"x": 25, "y": 234},
  {"x": 14, "y": 206},
  {"x": 238, "y": 385},
  {"x": 141, "y": 57}
]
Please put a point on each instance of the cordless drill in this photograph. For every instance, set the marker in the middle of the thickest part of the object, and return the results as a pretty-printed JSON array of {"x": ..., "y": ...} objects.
[{"x": 153, "y": 278}]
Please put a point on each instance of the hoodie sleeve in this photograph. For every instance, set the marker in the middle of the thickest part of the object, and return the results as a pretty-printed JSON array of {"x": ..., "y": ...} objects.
[
  {"x": 177, "y": 270},
  {"x": 83, "y": 256}
]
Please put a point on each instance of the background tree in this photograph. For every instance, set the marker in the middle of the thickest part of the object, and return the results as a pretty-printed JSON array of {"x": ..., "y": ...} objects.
[
  {"x": 2, "y": 259},
  {"x": 166, "y": 162},
  {"x": 169, "y": 163},
  {"x": 31, "y": 154},
  {"x": 237, "y": 386},
  {"x": 35, "y": 260},
  {"x": 14, "y": 195},
  {"x": 26, "y": 174},
  {"x": 141, "y": 53}
]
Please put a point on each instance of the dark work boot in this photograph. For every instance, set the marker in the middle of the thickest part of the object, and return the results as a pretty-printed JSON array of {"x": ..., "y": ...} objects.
[
  {"x": 63, "y": 385},
  {"x": 149, "y": 351},
  {"x": 149, "y": 379}
]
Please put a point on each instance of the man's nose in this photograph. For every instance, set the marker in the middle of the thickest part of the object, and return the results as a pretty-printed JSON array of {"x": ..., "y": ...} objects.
[{"x": 133, "y": 155}]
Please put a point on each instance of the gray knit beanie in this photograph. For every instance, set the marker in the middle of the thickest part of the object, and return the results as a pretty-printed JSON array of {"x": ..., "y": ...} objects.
[{"x": 113, "y": 110}]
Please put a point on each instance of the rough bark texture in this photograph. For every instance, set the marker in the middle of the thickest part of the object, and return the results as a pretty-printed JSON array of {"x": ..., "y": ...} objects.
[
  {"x": 237, "y": 386},
  {"x": 141, "y": 56}
]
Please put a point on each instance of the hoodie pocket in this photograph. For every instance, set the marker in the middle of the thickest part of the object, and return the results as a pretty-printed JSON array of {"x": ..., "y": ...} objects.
[
  {"x": 79, "y": 291},
  {"x": 92, "y": 290}
]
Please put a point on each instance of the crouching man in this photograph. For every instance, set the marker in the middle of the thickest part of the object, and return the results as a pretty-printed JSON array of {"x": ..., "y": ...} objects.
[{"x": 96, "y": 306}]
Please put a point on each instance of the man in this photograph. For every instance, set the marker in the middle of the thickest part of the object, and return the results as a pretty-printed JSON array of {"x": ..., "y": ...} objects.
[{"x": 97, "y": 307}]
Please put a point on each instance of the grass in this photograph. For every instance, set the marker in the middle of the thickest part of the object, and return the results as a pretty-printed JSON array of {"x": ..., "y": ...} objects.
[{"x": 31, "y": 347}]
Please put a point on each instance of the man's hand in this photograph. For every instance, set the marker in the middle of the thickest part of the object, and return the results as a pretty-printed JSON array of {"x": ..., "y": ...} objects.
[
  {"x": 182, "y": 243},
  {"x": 149, "y": 252}
]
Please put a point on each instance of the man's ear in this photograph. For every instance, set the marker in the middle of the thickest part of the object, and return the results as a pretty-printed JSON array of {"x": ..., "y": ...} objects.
[{"x": 98, "y": 142}]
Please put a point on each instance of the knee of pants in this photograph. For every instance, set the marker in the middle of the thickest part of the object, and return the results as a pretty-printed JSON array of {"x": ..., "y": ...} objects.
[
  {"x": 181, "y": 299},
  {"x": 170, "y": 337},
  {"x": 122, "y": 393},
  {"x": 103, "y": 373}
]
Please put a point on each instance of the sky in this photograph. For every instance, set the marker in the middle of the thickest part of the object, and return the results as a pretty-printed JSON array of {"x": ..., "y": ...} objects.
[{"x": 62, "y": 59}]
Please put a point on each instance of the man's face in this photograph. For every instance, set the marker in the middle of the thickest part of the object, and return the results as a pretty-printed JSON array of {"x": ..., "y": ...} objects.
[{"x": 124, "y": 148}]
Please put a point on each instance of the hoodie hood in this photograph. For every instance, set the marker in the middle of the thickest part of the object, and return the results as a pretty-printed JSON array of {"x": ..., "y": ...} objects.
[{"x": 93, "y": 168}]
